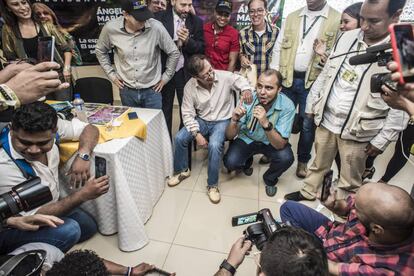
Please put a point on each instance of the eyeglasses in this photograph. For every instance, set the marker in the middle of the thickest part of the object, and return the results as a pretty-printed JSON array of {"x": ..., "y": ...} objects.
[{"x": 258, "y": 12}]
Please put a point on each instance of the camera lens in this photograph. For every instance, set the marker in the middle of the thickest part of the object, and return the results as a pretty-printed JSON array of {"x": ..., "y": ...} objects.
[
  {"x": 24, "y": 197},
  {"x": 257, "y": 235}
]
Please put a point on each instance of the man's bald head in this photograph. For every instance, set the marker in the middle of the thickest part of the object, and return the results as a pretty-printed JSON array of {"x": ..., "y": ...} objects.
[{"x": 386, "y": 205}]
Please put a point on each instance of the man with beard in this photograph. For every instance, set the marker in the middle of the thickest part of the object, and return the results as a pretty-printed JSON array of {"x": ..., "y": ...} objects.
[
  {"x": 186, "y": 29},
  {"x": 377, "y": 237},
  {"x": 262, "y": 127},
  {"x": 207, "y": 106},
  {"x": 222, "y": 40},
  {"x": 351, "y": 120}
]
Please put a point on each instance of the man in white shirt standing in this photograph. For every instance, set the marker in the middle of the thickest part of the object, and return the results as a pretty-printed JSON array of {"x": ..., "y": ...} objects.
[
  {"x": 28, "y": 149},
  {"x": 294, "y": 58},
  {"x": 208, "y": 104},
  {"x": 350, "y": 117}
]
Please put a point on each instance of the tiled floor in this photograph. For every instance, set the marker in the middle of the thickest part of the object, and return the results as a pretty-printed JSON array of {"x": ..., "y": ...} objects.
[{"x": 191, "y": 236}]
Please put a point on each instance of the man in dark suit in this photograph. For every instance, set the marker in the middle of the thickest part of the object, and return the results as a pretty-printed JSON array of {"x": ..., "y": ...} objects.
[{"x": 186, "y": 29}]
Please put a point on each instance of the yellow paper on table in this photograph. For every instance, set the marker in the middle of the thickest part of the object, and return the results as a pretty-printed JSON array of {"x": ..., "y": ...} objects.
[{"x": 128, "y": 128}]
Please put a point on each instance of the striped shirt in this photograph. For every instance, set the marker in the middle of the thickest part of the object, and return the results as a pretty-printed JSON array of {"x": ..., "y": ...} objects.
[
  {"x": 258, "y": 49},
  {"x": 348, "y": 244}
]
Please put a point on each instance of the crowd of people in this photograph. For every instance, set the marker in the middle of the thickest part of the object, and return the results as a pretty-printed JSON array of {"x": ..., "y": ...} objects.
[{"x": 303, "y": 82}]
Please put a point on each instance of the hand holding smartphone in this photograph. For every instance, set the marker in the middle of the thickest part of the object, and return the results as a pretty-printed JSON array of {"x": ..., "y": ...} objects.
[
  {"x": 326, "y": 186},
  {"x": 402, "y": 41},
  {"x": 100, "y": 166},
  {"x": 45, "y": 49}
]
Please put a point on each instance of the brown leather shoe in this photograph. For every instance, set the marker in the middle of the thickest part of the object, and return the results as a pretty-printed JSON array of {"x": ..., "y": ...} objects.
[{"x": 301, "y": 170}]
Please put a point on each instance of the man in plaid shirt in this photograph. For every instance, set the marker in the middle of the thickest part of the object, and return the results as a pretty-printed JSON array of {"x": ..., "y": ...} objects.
[
  {"x": 377, "y": 237},
  {"x": 258, "y": 39}
]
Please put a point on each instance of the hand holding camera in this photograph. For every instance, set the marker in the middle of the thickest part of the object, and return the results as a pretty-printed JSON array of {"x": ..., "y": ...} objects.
[{"x": 238, "y": 251}]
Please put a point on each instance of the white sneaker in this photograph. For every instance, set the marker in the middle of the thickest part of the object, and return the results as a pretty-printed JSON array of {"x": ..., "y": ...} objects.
[
  {"x": 213, "y": 194},
  {"x": 176, "y": 179}
]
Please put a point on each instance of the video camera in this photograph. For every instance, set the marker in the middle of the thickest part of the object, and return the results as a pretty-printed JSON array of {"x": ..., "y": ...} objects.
[
  {"x": 401, "y": 50},
  {"x": 258, "y": 233},
  {"x": 24, "y": 197}
]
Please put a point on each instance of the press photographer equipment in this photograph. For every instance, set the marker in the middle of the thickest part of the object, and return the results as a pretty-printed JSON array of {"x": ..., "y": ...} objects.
[
  {"x": 258, "y": 233},
  {"x": 24, "y": 197}
]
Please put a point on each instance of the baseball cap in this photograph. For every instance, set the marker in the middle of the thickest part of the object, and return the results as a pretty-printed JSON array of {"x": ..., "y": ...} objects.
[
  {"x": 224, "y": 6},
  {"x": 137, "y": 8}
]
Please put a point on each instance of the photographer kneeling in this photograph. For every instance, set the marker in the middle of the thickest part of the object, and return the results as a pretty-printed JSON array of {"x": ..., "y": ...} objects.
[
  {"x": 289, "y": 251},
  {"x": 377, "y": 237},
  {"x": 29, "y": 149}
]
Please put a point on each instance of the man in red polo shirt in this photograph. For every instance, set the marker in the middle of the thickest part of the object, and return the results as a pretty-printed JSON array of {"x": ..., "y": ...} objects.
[{"x": 222, "y": 40}]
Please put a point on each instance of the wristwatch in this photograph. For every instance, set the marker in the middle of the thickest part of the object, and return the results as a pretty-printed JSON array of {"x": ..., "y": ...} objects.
[
  {"x": 84, "y": 156},
  {"x": 228, "y": 267},
  {"x": 269, "y": 127}
]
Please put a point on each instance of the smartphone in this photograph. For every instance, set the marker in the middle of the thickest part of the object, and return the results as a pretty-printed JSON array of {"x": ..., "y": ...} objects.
[
  {"x": 161, "y": 272},
  {"x": 132, "y": 115},
  {"x": 326, "y": 185},
  {"x": 100, "y": 166},
  {"x": 244, "y": 219},
  {"x": 402, "y": 41},
  {"x": 46, "y": 49}
]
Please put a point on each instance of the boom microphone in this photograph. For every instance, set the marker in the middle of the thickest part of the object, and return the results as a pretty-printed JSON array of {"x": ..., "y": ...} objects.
[{"x": 363, "y": 59}]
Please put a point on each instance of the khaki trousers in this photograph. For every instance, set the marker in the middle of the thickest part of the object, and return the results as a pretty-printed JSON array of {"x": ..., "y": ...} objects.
[{"x": 353, "y": 158}]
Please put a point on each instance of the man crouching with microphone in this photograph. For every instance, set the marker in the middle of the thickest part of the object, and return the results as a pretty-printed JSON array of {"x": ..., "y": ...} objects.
[{"x": 262, "y": 127}]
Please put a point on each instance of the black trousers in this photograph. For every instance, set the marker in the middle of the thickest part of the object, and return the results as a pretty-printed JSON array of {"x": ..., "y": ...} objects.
[
  {"x": 398, "y": 160},
  {"x": 176, "y": 84}
]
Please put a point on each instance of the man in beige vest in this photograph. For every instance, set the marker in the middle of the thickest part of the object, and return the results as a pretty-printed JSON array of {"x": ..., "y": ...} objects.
[
  {"x": 350, "y": 118},
  {"x": 294, "y": 57}
]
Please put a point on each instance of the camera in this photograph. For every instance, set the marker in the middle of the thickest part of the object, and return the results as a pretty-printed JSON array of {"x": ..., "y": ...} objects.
[
  {"x": 24, "y": 197},
  {"x": 258, "y": 233},
  {"x": 378, "y": 80}
]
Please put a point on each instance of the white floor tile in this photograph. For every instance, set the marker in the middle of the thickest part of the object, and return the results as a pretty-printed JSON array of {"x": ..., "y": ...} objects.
[
  {"x": 167, "y": 215},
  {"x": 208, "y": 226},
  {"x": 186, "y": 261}
]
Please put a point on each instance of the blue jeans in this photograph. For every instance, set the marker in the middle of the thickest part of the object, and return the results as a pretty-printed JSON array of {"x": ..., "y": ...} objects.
[
  {"x": 86, "y": 223},
  {"x": 215, "y": 133},
  {"x": 298, "y": 94},
  {"x": 240, "y": 156},
  {"x": 78, "y": 226},
  {"x": 145, "y": 98},
  {"x": 302, "y": 216}
]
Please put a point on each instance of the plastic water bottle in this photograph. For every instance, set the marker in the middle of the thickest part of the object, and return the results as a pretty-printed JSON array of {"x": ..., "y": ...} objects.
[{"x": 79, "y": 105}]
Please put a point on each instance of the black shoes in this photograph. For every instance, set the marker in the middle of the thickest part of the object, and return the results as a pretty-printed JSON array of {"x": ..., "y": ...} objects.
[
  {"x": 264, "y": 160},
  {"x": 248, "y": 171},
  {"x": 296, "y": 196},
  {"x": 271, "y": 190}
]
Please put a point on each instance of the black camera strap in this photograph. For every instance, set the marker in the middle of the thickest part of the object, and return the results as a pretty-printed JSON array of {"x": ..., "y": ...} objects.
[{"x": 24, "y": 166}]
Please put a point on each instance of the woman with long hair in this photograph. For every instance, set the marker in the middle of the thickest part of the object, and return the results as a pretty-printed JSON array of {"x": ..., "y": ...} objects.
[
  {"x": 20, "y": 35},
  {"x": 46, "y": 15}
]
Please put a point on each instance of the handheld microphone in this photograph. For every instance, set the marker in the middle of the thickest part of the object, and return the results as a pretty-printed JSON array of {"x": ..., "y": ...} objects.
[
  {"x": 254, "y": 121},
  {"x": 363, "y": 59}
]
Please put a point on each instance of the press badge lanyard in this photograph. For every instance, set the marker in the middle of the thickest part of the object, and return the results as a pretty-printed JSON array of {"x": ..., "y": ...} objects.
[{"x": 305, "y": 31}]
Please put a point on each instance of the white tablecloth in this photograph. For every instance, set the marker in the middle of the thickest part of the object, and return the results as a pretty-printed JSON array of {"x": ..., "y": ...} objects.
[{"x": 137, "y": 171}]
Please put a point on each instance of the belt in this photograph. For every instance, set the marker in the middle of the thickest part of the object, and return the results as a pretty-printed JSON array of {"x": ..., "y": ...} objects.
[{"x": 299, "y": 75}]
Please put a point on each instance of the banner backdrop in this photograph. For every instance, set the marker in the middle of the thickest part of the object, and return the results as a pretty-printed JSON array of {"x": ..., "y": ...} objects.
[{"x": 85, "y": 18}]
